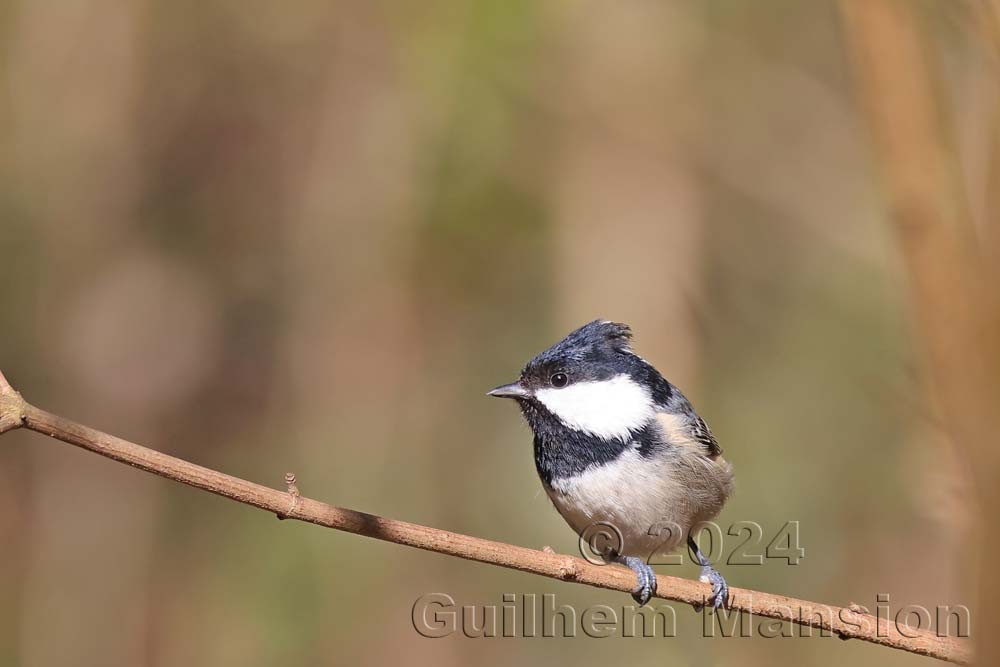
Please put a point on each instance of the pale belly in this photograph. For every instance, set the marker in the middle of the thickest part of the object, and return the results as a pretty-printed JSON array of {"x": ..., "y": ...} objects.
[{"x": 652, "y": 505}]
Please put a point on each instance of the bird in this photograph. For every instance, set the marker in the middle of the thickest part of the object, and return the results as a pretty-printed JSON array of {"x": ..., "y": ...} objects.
[{"x": 616, "y": 444}]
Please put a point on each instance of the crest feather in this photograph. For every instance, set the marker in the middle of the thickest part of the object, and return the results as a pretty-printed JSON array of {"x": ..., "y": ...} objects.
[
  {"x": 597, "y": 337},
  {"x": 615, "y": 332}
]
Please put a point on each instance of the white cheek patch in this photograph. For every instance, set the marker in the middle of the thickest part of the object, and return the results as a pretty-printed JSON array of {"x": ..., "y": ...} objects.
[{"x": 608, "y": 409}]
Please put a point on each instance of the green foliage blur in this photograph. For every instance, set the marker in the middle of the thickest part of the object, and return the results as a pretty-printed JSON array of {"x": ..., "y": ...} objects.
[{"x": 310, "y": 237}]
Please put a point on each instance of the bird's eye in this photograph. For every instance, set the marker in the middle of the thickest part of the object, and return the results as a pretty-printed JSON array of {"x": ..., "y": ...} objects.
[{"x": 559, "y": 380}]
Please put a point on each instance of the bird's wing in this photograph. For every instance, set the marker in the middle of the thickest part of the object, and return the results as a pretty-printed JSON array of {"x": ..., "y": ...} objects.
[
  {"x": 703, "y": 434},
  {"x": 688, "y": 429}
]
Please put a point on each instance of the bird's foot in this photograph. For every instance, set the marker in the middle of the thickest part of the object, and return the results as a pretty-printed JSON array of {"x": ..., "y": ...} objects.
[
  {"x": 646, "y": 586},
  {"x": 720, "y": 589}
]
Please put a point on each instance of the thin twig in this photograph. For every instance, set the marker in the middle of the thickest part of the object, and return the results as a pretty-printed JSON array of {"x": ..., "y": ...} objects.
[
  {"x": 11, "y": 406},
  {"x": 845, "y": 622}
]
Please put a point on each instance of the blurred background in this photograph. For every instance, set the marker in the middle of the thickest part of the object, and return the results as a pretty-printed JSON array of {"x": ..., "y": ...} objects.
[{"x": 309, "y": 237}]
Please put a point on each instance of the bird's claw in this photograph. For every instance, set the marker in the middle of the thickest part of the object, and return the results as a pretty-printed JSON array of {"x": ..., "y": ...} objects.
[
  {"x": 646, "y": 586},
  {"x": 720, "y": 589}
]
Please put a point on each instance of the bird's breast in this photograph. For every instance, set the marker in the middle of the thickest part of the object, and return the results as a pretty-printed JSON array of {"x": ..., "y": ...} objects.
[{"x": 651, "y": 502}]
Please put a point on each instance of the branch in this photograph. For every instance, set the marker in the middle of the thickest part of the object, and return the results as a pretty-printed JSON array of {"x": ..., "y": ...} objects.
[
  {"x": 11, "y": 406},
  {"x": 845, "y": 622}
]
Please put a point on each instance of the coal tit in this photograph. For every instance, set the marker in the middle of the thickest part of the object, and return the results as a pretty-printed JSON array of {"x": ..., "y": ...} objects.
[{"x": 618, "y": 445}]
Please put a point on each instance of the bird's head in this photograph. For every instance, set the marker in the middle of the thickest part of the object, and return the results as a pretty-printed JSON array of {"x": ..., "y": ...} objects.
[{"x": 589, "y": 382}]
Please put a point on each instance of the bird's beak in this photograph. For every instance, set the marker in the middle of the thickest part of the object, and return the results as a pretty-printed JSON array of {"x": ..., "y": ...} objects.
[{"x": 512, "y": 390}]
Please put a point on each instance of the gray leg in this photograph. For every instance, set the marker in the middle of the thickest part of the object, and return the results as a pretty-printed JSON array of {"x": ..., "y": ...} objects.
[
  {"x": 720, "y": 589},
  {"x": 646, "y": 586}
]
